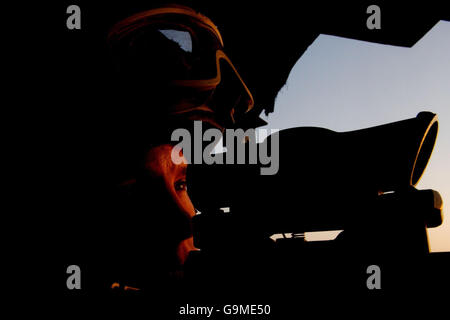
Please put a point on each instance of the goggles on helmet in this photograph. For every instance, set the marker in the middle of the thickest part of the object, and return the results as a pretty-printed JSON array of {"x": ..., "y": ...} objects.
[{"x": 183, "y": 50}]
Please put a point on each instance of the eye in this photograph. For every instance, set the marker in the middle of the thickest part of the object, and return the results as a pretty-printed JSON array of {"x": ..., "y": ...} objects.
[{"x": 181, "y": 185}]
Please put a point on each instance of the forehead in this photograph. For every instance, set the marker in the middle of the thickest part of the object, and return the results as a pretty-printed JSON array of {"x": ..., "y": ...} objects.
[{"x": 158, "y": 161}]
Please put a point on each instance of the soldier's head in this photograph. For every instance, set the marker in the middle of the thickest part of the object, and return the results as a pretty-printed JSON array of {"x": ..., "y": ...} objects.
[{"x": 170, "y": 70}]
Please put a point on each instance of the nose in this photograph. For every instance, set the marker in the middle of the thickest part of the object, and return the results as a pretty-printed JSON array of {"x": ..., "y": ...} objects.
[{"x": 170, "y": 216}]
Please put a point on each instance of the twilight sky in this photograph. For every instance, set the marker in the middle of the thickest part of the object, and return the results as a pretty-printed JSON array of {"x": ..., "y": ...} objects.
[{"x": 345, "y": 84}]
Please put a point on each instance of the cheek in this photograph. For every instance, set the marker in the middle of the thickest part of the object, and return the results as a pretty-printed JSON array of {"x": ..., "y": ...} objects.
[{"x": 186, "y": 204}]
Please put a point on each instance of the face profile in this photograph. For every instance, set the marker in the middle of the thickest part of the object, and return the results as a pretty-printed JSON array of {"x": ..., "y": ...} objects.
[
  {"x": 154, "y": 209},
  {"x": 173, "y": 196}
]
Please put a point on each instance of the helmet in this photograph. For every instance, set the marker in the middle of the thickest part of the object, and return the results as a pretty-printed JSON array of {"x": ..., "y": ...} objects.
[{"x": 174, "y": 56}]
